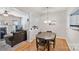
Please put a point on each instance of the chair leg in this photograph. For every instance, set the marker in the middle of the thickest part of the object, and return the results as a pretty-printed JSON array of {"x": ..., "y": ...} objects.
[
  {"x": 48, "y": 45},
  {"x": 11, "y": 45},
  {"x": 54, "y": 42},
  {"x": 45, "y": 46},
  {"x": 37, "y": 47}
]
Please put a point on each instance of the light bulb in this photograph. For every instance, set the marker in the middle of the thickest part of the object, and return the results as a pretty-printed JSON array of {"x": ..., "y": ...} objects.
[
  {"x": 5, "y": 14},
  {"x": 45, "y": 21},
  {"x": 49, "y": 21}
]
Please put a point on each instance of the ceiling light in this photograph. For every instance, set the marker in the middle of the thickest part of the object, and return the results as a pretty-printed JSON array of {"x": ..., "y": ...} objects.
[
  {"x": 46, "y": 16},
  {"x": 45, "y": 22},
  {"x": 5, "y": 13},
  {"x": 49, "y": 21}
]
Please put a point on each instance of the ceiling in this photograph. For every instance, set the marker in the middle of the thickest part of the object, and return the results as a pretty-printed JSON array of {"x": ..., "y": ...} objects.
[
  {"x": 21, "y": 11},
  {"x": 11, "y": 11},
  {"x": 41, "y": 10}
]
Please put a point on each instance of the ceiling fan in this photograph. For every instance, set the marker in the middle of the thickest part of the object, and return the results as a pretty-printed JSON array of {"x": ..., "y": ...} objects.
[{"x": 5, "y": 13}]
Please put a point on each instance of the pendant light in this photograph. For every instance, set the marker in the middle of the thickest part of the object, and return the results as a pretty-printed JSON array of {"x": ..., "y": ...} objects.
[{"x": 47, "y": 21}]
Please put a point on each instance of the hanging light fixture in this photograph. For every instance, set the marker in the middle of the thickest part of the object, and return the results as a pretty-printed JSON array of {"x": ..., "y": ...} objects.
[
  {"x": 47, "y": 21},
  {"x": 46, "y": 15},
  {"x": 5, "y": 13}
]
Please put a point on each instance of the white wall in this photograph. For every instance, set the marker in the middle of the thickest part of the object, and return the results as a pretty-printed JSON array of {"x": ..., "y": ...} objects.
[
  {"x": 24, "y": 22},
  {"x": 34, "y": 20},
  {"x": 59, "y": 28},
  {"x": 61, "y": 23},
  {"x": 72, "y": 35}
]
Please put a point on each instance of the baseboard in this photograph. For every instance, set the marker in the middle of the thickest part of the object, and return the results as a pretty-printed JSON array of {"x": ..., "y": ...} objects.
[
  {"x": 61, "y": 37},
  {"x": 69, "y": 45},
  {"x": 31, "y": 40}
]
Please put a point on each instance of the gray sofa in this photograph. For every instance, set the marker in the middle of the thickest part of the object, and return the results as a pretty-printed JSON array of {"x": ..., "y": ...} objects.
[{"x": 16, "y": 38}]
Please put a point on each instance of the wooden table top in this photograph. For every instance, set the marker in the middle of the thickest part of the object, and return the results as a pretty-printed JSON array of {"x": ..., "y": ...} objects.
[{"x": 46, "y": 35}]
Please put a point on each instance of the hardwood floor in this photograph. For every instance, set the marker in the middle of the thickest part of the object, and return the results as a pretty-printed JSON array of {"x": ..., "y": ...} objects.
[{"x": 61, "y": 45}]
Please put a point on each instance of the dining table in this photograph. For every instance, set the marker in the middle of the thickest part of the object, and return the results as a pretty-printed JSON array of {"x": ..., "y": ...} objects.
[{"x": 48, "y": 36}]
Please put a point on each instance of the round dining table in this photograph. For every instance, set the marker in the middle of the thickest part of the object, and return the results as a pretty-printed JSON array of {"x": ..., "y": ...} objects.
[{"x": 48, "y": 36}]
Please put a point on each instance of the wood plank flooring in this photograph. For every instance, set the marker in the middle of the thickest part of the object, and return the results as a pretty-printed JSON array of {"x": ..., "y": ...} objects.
[{"x": 61, "y": 45}]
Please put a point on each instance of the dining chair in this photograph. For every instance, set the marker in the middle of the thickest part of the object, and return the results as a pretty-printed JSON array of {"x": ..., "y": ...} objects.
[
  {"x": 49, "y": 31},
  {"x": 40, "y": 43},
  {"x": 39, "y": 32},
  {"x": 53, "y": 41}
]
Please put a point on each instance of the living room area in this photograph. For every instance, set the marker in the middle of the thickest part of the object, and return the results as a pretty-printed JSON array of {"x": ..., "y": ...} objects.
[
  {"x": 11, "y": 28},
  {"x": 21, "y": 27}
]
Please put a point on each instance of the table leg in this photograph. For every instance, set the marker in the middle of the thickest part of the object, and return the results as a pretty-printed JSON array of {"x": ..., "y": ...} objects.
[
  {"x": 54, "y": 44},
  {"x": 36, "y": 44},
  {"x": 48, "y": 45}
]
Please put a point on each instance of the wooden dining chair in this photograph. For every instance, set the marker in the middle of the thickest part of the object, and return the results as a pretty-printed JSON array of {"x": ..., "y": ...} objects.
[
  {"x": 53, "y": 41},
  {"x": 49, "y": 31},
  {"x": 39, "y": 32},
  {"x": 40, "y": 43}
]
